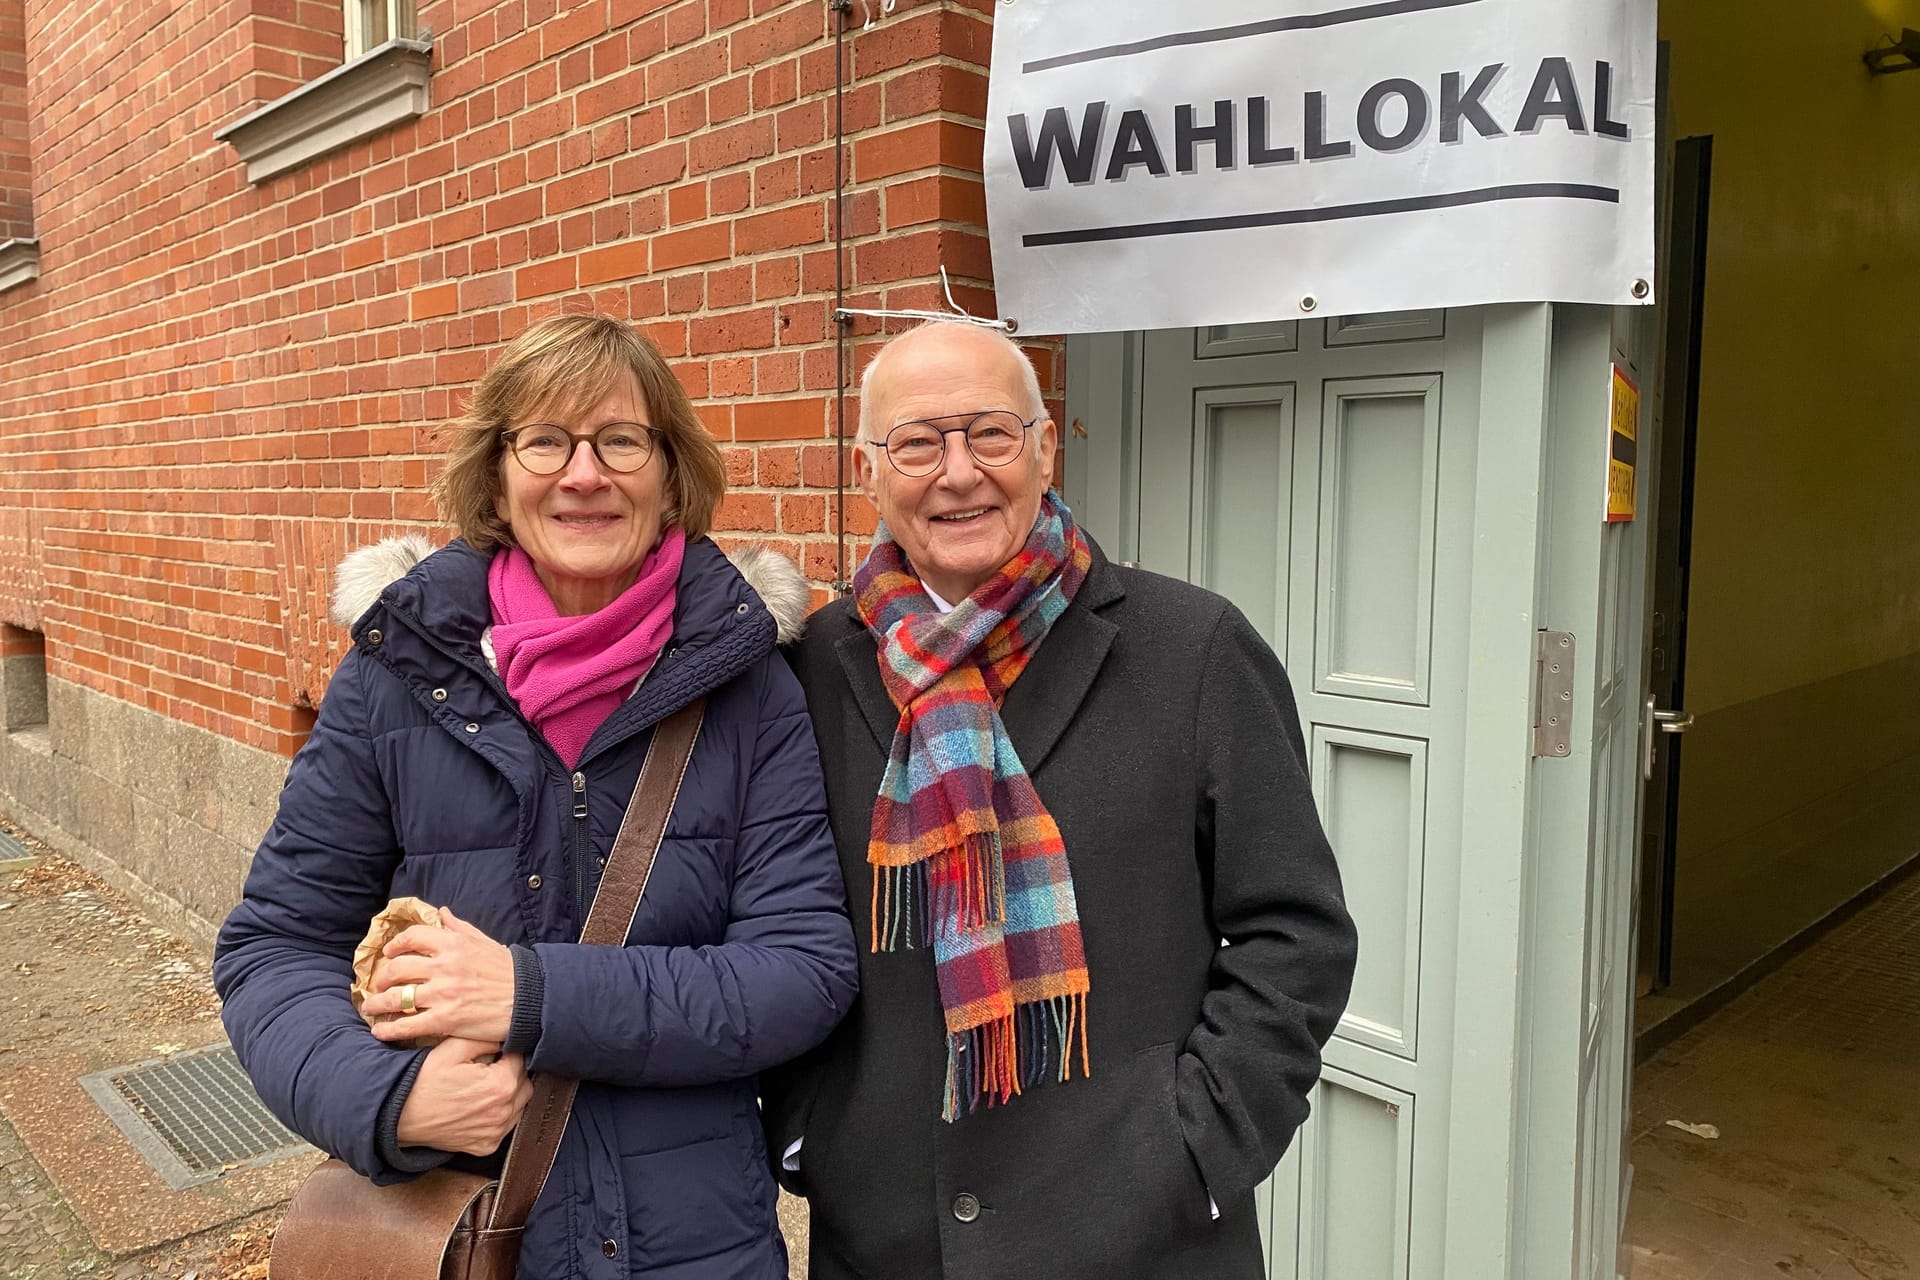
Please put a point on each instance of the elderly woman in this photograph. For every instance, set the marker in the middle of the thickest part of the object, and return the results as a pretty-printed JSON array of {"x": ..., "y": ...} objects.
[
  {"x": 477, "y": 749},
  {"x": 1060, "y": 785}
]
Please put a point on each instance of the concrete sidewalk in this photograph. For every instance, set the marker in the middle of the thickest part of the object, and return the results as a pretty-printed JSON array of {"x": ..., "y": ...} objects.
[{"x": 91, "y": 983}]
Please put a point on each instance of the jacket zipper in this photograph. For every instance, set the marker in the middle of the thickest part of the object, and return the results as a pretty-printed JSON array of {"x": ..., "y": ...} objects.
[{"x": 577, "y": 854}]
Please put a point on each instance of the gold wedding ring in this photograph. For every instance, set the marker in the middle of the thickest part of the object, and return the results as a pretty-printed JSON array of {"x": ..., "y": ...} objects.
[{"x": 406, "y": 1000}]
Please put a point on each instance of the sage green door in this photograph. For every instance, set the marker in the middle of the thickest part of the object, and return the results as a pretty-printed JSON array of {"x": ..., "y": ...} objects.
[{"x": 1399, "y": 503}]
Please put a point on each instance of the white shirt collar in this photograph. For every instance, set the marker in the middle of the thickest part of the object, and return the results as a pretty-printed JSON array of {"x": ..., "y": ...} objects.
[{"x": 938, "y": 603}]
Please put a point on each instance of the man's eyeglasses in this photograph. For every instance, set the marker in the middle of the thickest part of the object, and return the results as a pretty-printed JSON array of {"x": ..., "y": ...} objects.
[
  {"x": 545, "y": 449},
  {"x": 994, "y": 438}
]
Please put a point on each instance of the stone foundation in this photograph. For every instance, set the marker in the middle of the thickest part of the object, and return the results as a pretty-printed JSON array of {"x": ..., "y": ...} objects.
[{"x": 167, "y": 812}]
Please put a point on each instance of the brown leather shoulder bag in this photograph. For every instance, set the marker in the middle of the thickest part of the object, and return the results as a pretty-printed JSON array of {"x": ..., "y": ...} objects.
[{"x": 445, "y": 1225}]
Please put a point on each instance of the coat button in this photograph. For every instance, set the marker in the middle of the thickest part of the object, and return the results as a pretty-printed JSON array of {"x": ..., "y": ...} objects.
[
  {"x": 533, "y": 882},
  {"x": 374, "y": 636},
  {"x": 472, "y": 727},
  {"x": 966, "y": 1206},
  {"x": 439, "y": 695},
  {"x": 610, "y": 1247}
]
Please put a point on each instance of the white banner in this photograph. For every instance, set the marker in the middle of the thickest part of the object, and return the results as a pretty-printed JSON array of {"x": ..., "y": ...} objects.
[{"x": 1153, "y": 165}]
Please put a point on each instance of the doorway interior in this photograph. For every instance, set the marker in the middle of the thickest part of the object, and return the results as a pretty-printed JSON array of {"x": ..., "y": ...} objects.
[
  {"x": 1780, "y": 858},
  {"x": 1785, "y": 617}
]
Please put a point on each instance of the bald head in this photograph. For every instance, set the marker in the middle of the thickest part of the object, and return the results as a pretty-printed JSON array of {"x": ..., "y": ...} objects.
[
  {"x": 964, "y": 518},
  {"x": 995, "y": 351}
]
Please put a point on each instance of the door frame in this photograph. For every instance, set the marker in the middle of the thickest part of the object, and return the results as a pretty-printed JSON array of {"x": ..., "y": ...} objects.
[
  {"x": 1106, "y": 378},
  {"x": 1503, "y": 1125},
  {"x": 1683, "y": 324}
]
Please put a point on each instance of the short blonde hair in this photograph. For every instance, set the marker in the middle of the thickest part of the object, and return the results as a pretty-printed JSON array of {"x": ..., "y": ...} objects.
[{"x": 560, "y": 369}]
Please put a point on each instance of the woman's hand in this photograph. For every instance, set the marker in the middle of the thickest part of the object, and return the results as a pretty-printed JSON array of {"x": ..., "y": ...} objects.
[
  {"x": 461, "y": 980},
  {"x": 463, "y": 1099}
]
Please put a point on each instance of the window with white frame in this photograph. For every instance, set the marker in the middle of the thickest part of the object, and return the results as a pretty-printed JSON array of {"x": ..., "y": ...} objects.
[
  {"x": 381, "y": 82},
  {"x": 371, "y": 23}
]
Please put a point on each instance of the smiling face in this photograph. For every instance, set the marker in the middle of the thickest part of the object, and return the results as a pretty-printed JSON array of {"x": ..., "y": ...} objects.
[
  {"x": 960, "y": 524},
  {"x": 588, "y": 529}
]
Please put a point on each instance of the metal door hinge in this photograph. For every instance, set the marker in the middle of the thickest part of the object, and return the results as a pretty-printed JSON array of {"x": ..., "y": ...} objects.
[{"x": 1553, "y": 694}]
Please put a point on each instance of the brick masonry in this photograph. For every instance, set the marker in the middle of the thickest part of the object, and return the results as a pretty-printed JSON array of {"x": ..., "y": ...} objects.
[
  {"x": 16, "y": 197},
  {"x": 214, "y": 389}
]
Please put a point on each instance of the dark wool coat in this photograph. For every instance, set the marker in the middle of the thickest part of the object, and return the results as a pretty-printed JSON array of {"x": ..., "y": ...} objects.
[
  {"x": 1160, "y": 731},
  {"x": 422, "y": 778}
]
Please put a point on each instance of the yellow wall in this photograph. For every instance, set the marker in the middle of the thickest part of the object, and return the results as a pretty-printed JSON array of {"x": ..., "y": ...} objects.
[{"x": 1806, "y": 545}]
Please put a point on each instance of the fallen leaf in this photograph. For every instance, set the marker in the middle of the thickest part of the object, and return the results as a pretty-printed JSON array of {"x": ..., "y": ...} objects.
[{"x": 1706, "y": 1131}]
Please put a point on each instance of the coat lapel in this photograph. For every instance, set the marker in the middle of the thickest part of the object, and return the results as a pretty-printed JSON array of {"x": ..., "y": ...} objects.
[
  {"x": 1048, "y": 694},
  {"x": 860, "y": 660},
  {"x": 1042, "y": 703}
]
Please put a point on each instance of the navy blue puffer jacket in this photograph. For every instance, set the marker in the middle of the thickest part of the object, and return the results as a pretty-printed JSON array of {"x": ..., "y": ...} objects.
[{"x": 422, "y": 778}]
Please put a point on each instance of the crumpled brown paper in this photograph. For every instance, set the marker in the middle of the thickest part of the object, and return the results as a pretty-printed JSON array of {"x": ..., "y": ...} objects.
[{"x": 394, "y": 919}]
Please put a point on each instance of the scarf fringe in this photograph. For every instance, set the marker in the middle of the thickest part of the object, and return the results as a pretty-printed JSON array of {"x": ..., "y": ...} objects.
[
  {"x": 909, "y": 906},
  {"x": 990, "y": 1065}
]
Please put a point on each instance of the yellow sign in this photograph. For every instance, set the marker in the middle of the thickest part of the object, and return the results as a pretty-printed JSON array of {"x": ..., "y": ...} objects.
[{"x": 1624, "y": 446}]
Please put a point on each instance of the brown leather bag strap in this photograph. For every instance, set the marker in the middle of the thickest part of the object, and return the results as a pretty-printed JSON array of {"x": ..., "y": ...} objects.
[
  {"x": 631, "y": 860},
  {"x": 537, "y": 1139}
]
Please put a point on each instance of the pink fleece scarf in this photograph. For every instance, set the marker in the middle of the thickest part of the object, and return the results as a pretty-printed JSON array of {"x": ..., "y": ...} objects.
[{"x": 568, "y": 674}]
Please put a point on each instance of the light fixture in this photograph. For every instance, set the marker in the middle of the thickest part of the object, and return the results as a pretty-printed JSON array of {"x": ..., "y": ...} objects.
[{"x": 1894, "y": 55}]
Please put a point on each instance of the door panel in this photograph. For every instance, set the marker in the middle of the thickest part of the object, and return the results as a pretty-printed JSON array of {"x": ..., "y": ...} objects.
[
  {"x": 1356, "y": 1190},
  {"x": 1303, "y": 480},
  {"x": 1242, "y": 475},
  {"x": 1375, "y": 815},
  {"x": 1608, "y": 989},
  {"x": 1262, "y": 337},
  {"x": 1380, "y": 455},
  {"x": 1385, "y": 326},
  {"x": 1677, "y": 405}
]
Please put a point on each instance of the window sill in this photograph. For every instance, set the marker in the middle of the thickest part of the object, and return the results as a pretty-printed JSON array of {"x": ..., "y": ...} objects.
[
  {"x": 384, "y": 88},
  {"x": 34, "y": 737},
  {"x": 19, "y": 262}
]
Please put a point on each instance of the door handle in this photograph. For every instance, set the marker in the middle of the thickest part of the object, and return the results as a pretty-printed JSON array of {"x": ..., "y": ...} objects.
[
  {"x": 1674, "y": 721},
  {"x": 1664, "y": 722},
  {"x": 1646, "y": 741}
]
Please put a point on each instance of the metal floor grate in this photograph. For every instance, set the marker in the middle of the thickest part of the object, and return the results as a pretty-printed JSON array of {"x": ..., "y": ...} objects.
[
  {"x": 194, "y": 1116},
  {"x": 12, "y": 850}
]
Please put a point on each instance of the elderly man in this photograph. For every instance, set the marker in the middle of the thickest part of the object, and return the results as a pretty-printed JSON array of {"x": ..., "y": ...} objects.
[{"x": 1103, "y": 934}]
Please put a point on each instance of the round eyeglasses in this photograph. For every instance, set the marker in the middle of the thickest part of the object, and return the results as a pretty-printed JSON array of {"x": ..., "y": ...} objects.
[
  {"x": 994, "y": 437},
  {"x": 545, "y": 449}
]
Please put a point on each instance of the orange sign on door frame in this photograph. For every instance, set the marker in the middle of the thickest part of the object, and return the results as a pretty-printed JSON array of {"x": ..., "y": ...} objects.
[{"x": 1623, "y": 441}]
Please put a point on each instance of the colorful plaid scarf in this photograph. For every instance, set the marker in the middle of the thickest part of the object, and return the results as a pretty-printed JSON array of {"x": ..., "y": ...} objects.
[{"x": 964, "y": 852}]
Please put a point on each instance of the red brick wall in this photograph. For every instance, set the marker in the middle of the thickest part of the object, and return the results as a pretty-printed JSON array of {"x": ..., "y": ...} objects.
[
  {"x": 286, "y": 43},
  {"x": 214, "y": 387},
  {"x": 22, "y": 568},
  {"x": 16, "y": 193},
  {"x": 16, "y": 643}
]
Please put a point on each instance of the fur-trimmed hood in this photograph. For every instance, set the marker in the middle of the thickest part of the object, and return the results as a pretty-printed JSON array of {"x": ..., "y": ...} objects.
[{"x": 363, "y": 574}]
